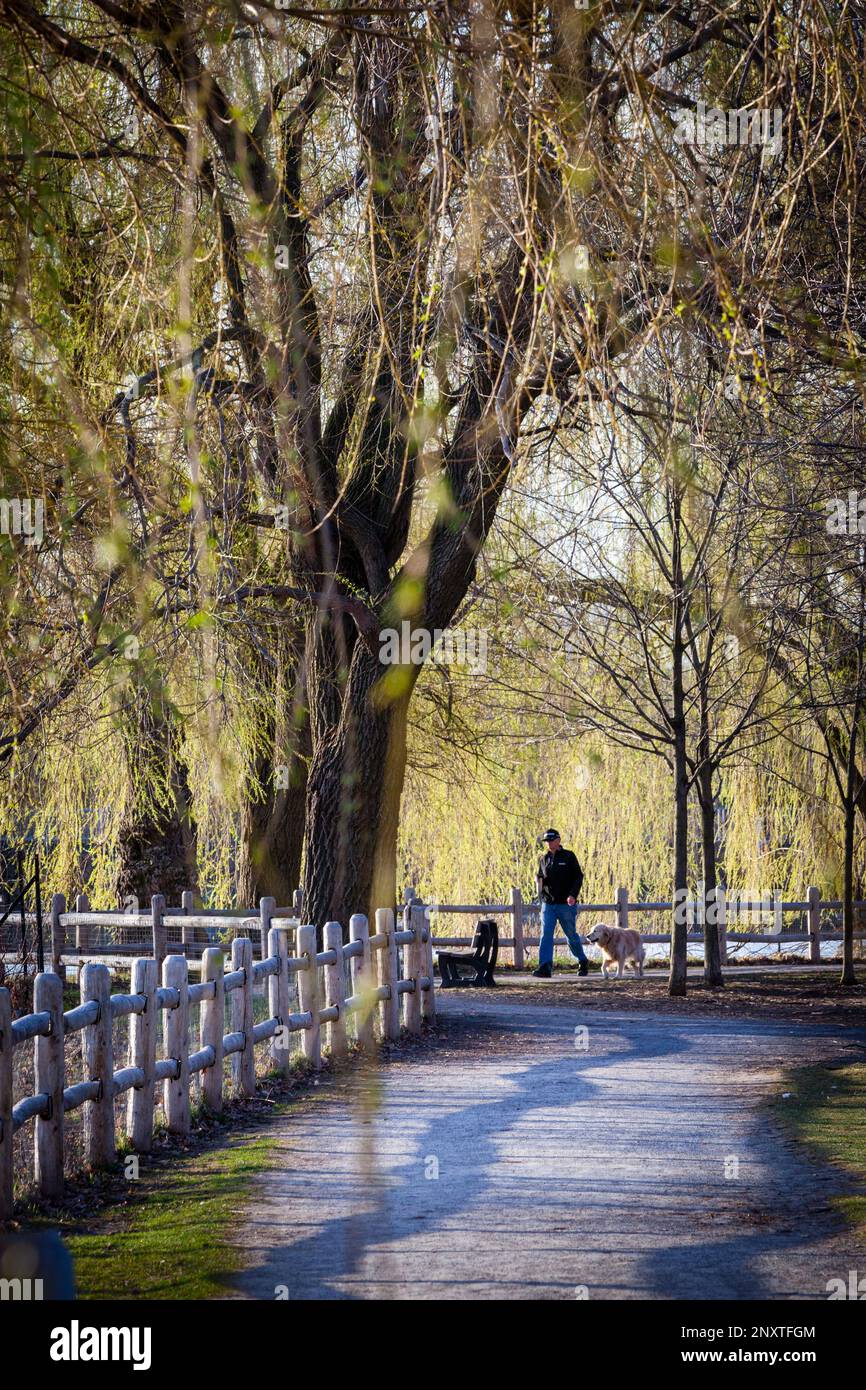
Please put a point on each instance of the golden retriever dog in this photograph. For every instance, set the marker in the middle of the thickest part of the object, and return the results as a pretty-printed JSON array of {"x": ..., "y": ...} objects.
[{"x": 617, "y": 944}]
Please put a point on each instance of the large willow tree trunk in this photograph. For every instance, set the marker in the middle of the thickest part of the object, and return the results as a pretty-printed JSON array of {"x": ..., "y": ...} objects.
[
  {"x": 353, "y": 798},
  {"x": 272, "y": 819},
  {"x": 157, "y": 851},
  {"x": 157, "y": 842},
  {"x": 272, "y": 838}
]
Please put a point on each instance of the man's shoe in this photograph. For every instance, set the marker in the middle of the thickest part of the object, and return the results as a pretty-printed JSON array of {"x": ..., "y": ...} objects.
[
  {"x": 543, "y": 972},
  {"x": 584, "y": 968}
]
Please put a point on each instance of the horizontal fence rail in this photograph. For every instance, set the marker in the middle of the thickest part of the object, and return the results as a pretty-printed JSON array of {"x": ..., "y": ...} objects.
[{"x": 393, "y": 964}]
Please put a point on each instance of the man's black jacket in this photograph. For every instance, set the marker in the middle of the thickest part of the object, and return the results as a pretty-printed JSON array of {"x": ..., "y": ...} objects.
[{"x": 559, "y": 876}]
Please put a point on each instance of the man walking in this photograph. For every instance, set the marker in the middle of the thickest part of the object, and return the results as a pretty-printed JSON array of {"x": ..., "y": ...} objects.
[{"x": 559, "y": 881}]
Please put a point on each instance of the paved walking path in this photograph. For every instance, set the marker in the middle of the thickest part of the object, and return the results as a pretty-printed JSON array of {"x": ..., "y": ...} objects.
[{"x": 507, "y": 1163}]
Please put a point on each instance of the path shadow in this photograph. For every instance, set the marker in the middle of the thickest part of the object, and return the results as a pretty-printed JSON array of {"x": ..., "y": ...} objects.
[{"x": 338, "y": 1246}]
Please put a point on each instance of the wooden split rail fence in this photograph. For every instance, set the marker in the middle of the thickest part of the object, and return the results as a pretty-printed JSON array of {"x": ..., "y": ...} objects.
[
  {"x": 728, "y": 914},
  {"x": 163, "y": 931},
  {"x": 377, "y": 987},
  {"x": 87, "y": 933}
]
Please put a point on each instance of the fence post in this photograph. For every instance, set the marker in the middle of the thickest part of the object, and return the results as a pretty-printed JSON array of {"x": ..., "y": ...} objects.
[
  {"x": 815, "y": 925},
  {"x": 335, "y": 989},
  {"x": 212, "y": 1027},
  {"x": 5, "y": 1105},
  {"x": 187, "y": 904},
  {"x": 517, "y": 928},
  {"x": 722, "y": 924},
  {"x": 58, "y": 934},
  {"x": 142, "y": 1054},
  {"x": 266, "y": 912},
  {"x": 622, "y": 908},
  {"x": 428, "y": 998},
  {"x": 362, "y": 980},
  {"x": 82, "y": 904},
  {"x": 298, "y": 901},
  {"x": 157, "y": 910},
  {"x": 243, "y": 1062},
  {"x": 413, "y": 920},
  {"x": 49, "y": 1077},
  {"x": 308, "y": 993},
  {"x": 175, "y": 975},
  {"x": 98, "y": 1054},
  {"x": 389, "y": 1014},
  {"x": 278, "y": 999}
]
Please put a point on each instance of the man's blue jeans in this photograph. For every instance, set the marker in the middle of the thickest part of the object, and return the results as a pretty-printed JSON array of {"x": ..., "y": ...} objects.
[{"x": 551, "y": 913}]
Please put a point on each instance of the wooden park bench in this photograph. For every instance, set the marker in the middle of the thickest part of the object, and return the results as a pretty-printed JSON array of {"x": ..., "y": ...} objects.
[{"x": 480, "y": 960}]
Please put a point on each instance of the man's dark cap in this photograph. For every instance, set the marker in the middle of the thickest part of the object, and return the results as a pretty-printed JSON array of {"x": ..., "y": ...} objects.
[{"x": 551, "y": 835}]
